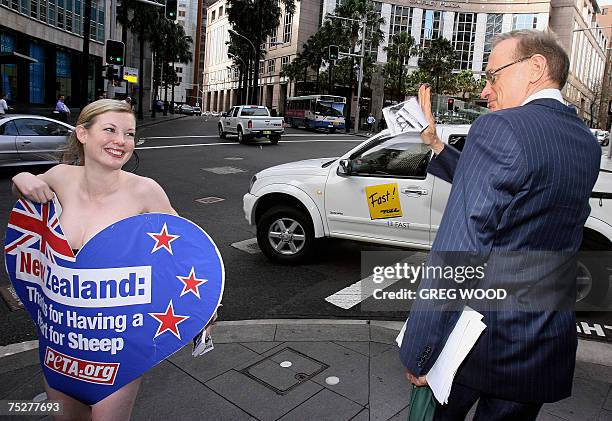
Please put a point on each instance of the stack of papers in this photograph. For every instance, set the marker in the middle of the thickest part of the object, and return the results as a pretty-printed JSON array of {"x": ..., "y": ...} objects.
[
  {"x": 405, "y": 117},
  {"x": 462, "y": 339}
]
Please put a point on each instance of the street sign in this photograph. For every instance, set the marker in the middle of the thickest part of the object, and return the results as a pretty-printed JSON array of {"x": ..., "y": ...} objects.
[{"x": 130, "y": 74}]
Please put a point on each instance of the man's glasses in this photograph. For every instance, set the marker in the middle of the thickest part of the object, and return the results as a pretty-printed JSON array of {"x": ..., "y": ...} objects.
[{"x": 491, "y": 75}]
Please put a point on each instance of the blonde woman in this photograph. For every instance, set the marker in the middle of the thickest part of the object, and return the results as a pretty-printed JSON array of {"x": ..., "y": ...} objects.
[{"x": 94, "y": 193}]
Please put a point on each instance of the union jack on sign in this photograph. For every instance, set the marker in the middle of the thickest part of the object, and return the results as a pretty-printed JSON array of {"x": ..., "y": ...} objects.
[{"x": 40, "y": 228}]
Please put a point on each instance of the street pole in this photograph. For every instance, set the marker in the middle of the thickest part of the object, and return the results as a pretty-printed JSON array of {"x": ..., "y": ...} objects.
[
  {"x": 358, "y": 108},
  {"x": 85, "y": 52}
]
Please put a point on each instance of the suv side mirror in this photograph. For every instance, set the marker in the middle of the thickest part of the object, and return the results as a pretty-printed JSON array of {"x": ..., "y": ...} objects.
[{"x": 344, "y": 167}]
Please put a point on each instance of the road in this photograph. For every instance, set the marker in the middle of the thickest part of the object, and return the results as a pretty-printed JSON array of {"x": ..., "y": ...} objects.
[{"x": 191, "y": 163}]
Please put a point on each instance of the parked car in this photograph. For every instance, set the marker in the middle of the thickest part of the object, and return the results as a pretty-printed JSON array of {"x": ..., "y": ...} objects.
[
  {"x": 294, "y": 204},
  {"x": 197, "y": 111},
  {"x": 603, "y": 136},
  {"x": 207, "y": 114},
  {"x": 249, "y": 122},
  {"x": 31, "y": 139},
  {"x": 215, "y": 114},
  {"x": 185, "y": 109}
]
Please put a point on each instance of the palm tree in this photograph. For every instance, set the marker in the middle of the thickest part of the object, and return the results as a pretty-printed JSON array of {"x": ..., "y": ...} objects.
[
  {"x": 438, "y": 60},
  {"x": 402, "y": 46}
]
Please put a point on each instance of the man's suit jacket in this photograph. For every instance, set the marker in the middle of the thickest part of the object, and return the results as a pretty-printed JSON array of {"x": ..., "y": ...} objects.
[{"x": 521, "y": 183}]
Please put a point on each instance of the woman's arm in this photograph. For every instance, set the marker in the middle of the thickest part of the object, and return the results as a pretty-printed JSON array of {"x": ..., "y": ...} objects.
[
  {"x": 155, "y": 198},
  {"x": 37, "y": 188}
]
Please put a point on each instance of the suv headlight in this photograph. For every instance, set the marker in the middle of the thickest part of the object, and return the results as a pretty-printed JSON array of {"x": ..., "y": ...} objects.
[{"x": 253, "y": 180}]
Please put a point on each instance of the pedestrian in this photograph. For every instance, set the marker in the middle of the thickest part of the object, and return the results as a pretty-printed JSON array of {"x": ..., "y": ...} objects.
[
  {"x": 94, "y": 193},
  {"x": 62, "y": 110},
  {"x": 128, "y": 101},
  {"x": 3, "y": 105},
  {"x": 521, "y": 183},
  {"x": 370, "y": 120}
]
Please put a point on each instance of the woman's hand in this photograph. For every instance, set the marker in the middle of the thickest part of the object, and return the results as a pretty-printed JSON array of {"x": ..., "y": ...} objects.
[
  {"x": 429, "y": 136},
  {"x": 210, "y": 324},
  {"x": 32, "y": 187}
]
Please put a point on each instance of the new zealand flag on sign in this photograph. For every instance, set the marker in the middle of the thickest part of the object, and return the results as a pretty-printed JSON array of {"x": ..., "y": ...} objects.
[{"x": 132, "y": 296}]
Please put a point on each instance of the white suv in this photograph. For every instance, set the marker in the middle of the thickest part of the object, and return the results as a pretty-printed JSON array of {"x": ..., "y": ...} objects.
[{"x": 380, "y": 192}]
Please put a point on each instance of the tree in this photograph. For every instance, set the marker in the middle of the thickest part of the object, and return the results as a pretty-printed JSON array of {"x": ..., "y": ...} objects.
[
  {"x": 438, "y": 60},
  {"x": 466, "y": 85},
  {"x": 416, "y": 79},
  {"x": 349, "y": 34},
  {"x": 402, "y": 46},
  {"x": 256, "y": 20}
]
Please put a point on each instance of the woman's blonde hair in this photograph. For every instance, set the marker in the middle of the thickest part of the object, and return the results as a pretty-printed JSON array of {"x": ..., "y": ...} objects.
[{"x": 73, "y": 152}]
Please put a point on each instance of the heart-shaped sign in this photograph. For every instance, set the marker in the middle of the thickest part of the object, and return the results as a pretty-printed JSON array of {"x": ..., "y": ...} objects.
[{"x": 132, "y": 296}]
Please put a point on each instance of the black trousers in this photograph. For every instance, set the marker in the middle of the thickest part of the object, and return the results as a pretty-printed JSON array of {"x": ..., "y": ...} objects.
[{"x": 489, "y": 408}]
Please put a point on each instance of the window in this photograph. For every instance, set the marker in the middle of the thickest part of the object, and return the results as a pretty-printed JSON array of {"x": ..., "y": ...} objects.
[
  {"x": 271, "y": 66},
  {"x": 179, "y": 70},
  {"x": 32, "y": 127},
  {"x": 285, "y": 62},
  {"x": 56, "y": 129},
  {"x": 463, "y": 39},
  {"x": 372, "y": 50},
  {"x": 235, "y": 114},
  {"x": 261, "y": 67},
  {"x": 8, "y": 129},
  {"x": 431, "y": 27},
  {"x": 212, "y": 16},
  {"x": 524, "y": 21},
  {"x": 394, "y": 157},
  {"x": 493, "y": 28},
  {"x": 256, "y": 112},
  {"x": 220, "y": 11},
  {"x": 180, "y": 80},
  {"x": 287, "y": 28},
  {"x": 401, "y": 20},
  {"x": 457, "y": 141},
  {"x": 181, "y": 13},
  {"x": 604, "y": 11}
]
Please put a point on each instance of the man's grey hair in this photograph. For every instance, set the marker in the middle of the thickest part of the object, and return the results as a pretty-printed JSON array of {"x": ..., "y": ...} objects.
[{"x": 531, "y": 42}]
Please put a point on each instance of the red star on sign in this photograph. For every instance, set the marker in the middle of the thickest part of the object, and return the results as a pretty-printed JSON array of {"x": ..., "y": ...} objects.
[
  {"x": 163, "y": 239},
  {"x": 168, "y": 321},
  {"x": 191, "y": 283}
]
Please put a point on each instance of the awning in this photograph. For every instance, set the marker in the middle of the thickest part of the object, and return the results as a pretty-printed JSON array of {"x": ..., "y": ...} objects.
[{"x": 14, "y": 58}]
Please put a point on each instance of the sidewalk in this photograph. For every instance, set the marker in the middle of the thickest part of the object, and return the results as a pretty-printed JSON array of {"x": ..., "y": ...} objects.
[
  {"x": 340, "y": 370},
  {"x": 74, "y": 113}
]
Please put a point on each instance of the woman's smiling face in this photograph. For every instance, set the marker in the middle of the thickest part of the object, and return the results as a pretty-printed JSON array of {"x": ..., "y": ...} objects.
[{"x": 110, "y": 140}]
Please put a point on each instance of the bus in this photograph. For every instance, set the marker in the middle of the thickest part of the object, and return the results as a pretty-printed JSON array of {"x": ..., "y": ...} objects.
[{"x": 316, "y": 112}]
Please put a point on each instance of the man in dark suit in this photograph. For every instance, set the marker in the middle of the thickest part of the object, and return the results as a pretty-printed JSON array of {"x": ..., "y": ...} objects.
[{"x": 521, "y": 184}]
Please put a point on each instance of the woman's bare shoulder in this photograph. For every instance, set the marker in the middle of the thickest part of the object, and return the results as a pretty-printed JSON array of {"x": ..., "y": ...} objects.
[
  {"x": 59, "y": 175},
  {"x": 150, "y": 194}
]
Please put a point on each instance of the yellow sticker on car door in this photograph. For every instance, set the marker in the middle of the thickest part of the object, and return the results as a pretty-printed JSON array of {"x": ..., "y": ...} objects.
[{"x": 383, "y": 201}]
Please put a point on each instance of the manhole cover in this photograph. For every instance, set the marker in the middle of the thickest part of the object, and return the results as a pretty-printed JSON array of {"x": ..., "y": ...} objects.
[
  {"x": 224, "y": 170},
  {"x": 281, "y": 380},
  {"x": 209, "y": 200},
  {"x": 248, "y": 246},
  {"x": 11, "y": 298}
]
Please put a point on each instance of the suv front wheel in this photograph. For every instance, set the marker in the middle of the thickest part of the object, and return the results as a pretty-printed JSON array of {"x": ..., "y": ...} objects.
[{"x": 285, "y": 235}]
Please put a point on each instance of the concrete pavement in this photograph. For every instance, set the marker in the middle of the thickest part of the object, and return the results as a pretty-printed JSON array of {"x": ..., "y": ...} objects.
[{"x": 301, "y": 370}]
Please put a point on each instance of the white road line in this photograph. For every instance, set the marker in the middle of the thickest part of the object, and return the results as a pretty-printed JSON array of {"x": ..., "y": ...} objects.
[
  {"x": 217, "y": 136},
  {"x": 358, "y": 292},
  {"x": 238, "y": 144},
  {"x": 363, "y": 289}
]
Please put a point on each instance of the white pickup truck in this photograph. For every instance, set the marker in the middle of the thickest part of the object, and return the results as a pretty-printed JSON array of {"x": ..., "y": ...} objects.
[
  {"x": 294, "y": 204},
  {"x": 251, "y": 121}
]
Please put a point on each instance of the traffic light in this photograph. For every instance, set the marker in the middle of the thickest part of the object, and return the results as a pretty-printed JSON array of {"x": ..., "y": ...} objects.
[
  {"x": 334, "y": 52},
  {"x": 113, "y": 72},
  {"x": 171, "y": 7},
  {"x": 115, "y": 52},
  {"x": 451, "y": 104}
]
